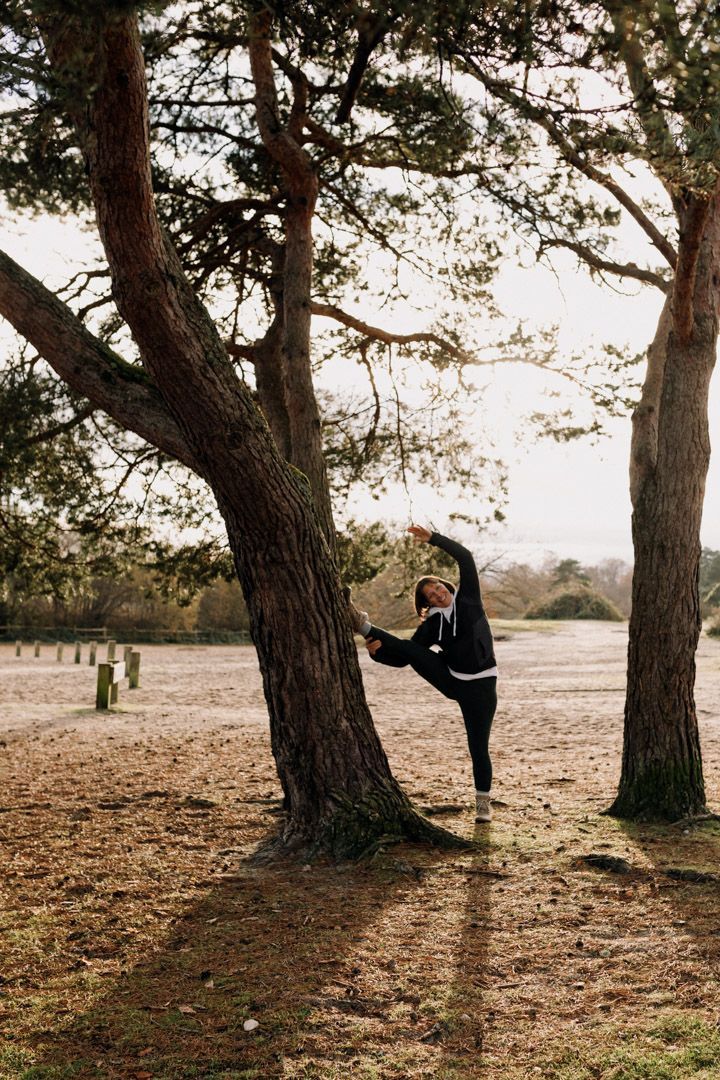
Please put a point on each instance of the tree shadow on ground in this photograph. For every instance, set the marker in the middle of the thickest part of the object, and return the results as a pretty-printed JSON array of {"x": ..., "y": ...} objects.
[
  {"x": 685, "y": 864},
  {"x": 138, "y": 945},
  {"x": 676, "y": 871},
  {"x": 276, "y": 949}
]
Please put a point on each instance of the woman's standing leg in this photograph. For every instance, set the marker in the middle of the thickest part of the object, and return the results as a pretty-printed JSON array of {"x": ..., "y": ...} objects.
[{"x": 478, "y": 701}]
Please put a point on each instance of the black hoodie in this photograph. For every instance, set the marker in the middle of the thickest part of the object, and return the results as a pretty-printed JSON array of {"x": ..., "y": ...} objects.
[{"x": 466, "y": 640}]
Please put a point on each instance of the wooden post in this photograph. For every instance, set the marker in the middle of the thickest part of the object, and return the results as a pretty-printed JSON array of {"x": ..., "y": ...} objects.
[
  {"x": 93, "y": 653},
  {"x": 134, "y": 670},
  {"x": 109, "y": 675},
  {"x": 104, "y": 682},
  {"x": 37, "y": 648},
  {"x": 59, "y": 651},
  {"x": 127, "y": 650},
  {"x": 18, "y": 648},
  {"x": 78, "y": 651},
  {"x": 111, "y": 649}
]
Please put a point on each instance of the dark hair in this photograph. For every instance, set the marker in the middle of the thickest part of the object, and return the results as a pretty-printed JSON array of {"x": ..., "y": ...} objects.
[{"x": 421, "y": 605}]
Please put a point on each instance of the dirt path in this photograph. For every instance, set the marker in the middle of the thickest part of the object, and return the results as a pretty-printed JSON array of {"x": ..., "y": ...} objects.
[{"x": 136, "y": 941}]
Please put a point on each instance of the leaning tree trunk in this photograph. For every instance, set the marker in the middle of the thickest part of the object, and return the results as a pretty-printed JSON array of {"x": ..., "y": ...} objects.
[
  {"x": 662, "y": 775},
  {"x": 342, "y": 795}
]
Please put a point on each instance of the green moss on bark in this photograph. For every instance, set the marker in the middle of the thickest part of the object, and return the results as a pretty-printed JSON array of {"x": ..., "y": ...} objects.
[
  {"x": 357, "y": 828},
  {"x": 661, "y": 793}
]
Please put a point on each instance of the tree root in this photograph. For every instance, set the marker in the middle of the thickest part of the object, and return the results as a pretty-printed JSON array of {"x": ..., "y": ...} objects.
[
  {"x": 358, "y": 830},
  {"x": 661, "y": 796}
]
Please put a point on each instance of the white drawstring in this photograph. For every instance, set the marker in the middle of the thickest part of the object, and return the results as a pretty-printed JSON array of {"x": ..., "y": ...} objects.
[{"x": 442, "y": 619}]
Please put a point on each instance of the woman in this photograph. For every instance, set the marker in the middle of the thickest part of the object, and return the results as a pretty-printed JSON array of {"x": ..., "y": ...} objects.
[{"x": 464, "y": 669}]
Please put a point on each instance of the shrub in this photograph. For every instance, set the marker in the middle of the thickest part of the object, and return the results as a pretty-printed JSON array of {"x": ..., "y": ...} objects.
[
  {"x": 576, "y": 602},
  {"x": 710, "y": 602}
]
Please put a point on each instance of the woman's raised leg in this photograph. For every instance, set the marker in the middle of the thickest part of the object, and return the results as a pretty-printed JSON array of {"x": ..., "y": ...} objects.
[{"x": 429, "y": 665}]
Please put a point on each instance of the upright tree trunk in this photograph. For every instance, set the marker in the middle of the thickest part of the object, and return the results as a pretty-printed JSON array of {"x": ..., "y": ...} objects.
[
  {"x": 342, "y": 796},
  {"x": 293, "y": 376},
  {"x": 306, "y": 444},
  {"x": 269, "y": 361},
  {"x": 662, "y": 767}
]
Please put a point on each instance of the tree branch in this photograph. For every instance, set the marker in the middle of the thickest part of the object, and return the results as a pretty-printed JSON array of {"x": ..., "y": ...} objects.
[
  {"x": 281, "y": 144},
  {"x": 101, "y": 69},
  {"x": 372, "y": 28},
  {"x": 387, "y": 337},
  {"x": 60, "y": 429},
  {"x": 87, "y": 365},
  {"x": 376, "y": 333},
  {"x": 188, "y": 128},
  {"x": 524, "y": 347},
  {"x": 291, "y": 382},
  {"x": 241, "y": 352},
  {"x": 645, "y": 419},
  {"x": 607, "y": 266},
  {"x": 661, "y": 143},
  {"x": 189, "y": 103},
  {"x": 572, "y": 155},
  {"x": 692, "y": 223}
]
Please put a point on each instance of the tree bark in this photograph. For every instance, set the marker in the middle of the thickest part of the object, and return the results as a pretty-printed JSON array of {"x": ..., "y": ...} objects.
[
  {"x": 341, "y": 794},
  {"x": 662, "y": 775},
  {"x": 269, "y": 362}
]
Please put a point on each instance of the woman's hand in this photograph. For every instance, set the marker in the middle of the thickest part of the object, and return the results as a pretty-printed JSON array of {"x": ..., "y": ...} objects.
[
  {"x": 372, "y": 645},
  {"x": 420, "y": 534}
]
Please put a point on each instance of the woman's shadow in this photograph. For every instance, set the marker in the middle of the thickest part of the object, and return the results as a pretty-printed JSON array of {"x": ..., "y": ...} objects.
[{"x": 282, "y": 963}]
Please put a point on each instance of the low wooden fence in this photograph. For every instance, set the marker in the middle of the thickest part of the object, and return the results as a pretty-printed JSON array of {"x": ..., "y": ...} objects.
[
  {"x": 110, "y": 673},
  {"x": 70, "y": 634}
]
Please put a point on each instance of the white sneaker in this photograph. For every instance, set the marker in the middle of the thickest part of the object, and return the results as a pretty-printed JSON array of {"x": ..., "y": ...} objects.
[{"x": 483, "y": 810}]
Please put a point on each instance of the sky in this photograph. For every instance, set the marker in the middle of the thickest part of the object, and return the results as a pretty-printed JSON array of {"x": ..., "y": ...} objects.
[
  {"x": 565, "y": 499},
  {"x": 573, "y": 498}
]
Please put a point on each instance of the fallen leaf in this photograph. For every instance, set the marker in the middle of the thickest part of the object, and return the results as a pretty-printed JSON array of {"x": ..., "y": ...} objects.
[{"x": 187, "y": 1010}]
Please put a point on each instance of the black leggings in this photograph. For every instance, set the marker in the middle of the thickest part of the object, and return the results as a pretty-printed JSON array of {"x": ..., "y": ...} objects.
[{"x": 477, "y": 698}]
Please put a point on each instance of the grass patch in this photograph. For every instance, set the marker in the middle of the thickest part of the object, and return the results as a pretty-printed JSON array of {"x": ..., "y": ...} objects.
[{"x": 676, "y": 1047}]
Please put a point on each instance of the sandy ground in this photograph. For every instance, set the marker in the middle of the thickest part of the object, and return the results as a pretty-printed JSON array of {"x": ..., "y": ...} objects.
[
  {"x": 560, "y": 710},
  {"x": 123, "y": 836}
]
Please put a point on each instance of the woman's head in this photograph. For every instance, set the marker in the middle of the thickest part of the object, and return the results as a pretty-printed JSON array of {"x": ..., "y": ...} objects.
[{"x": 432, "y": 591}]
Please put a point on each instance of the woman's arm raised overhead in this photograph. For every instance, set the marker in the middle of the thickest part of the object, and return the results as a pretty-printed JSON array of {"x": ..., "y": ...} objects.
[{"x": 469, "y": 581}]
